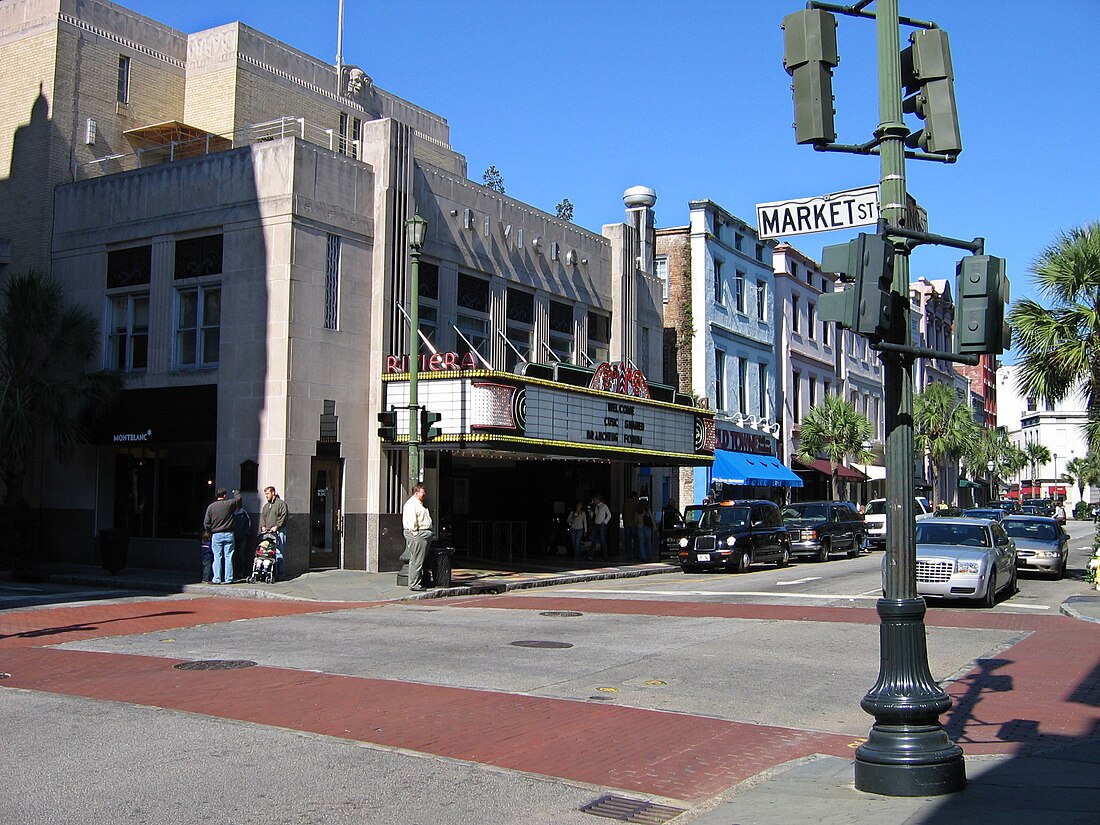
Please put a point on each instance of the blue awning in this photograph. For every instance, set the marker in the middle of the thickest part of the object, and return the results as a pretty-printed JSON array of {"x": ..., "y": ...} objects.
[{"x": 747, "y": 470}]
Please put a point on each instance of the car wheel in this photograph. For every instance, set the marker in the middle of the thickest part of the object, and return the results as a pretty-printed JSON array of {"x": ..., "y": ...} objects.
[
  {"x": 784, "y": 556},
  {"x": 744, "y": 562},
  {"x": 989, "y": 598},
  {"x": 1014, "y": 583},
  {"x": 857, "y": 543},
  {"x": 823, "y": 553},
  {"x": 1060, "y": 573}
]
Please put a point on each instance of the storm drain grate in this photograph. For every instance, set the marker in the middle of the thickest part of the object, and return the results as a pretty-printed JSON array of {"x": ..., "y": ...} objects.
[
  {"x": 555, "y": 645},
  {"x": 560, "y": 614},
  {"x": 631, "y": 810},
  {"x": 215, "y": 664}
]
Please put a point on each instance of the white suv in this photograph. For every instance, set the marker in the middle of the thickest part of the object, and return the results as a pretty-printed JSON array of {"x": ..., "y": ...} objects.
[{"x": 874, "y": 518}]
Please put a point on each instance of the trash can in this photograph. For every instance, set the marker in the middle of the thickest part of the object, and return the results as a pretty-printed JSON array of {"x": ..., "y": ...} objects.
[{"x": 441, "y": 564}]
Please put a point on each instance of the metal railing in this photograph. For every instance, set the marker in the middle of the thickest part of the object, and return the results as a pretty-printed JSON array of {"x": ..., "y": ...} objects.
[{"x": 208, "y": 144}]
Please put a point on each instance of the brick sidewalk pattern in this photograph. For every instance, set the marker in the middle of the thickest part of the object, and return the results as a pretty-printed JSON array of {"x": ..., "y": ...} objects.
[{"x": 672, "y": 755}]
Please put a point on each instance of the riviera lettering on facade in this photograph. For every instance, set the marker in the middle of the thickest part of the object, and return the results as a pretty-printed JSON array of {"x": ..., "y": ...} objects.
[{"x": 435, "y": 362}]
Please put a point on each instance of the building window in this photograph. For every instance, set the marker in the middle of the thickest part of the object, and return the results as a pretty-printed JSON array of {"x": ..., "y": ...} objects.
[
  {"x": 520, "y": 327},
  {"x": 473, "y": 315},
  {"x": 762, "y": 300},
  {"x": 743, "y": 385},
  {"x": 739, "y": 285},
  {"x": 760, "y": 252},
  {"x": 811, "y": 319},
  {"x": 198, "y": 327},
  {"x": 826, "y": 334},
  {"x": 1031, "y": 407},
  {"x": 129, "y": 267},
  {"x": 562, "y": 331},
  {"x": 794, "y": 270},
  {"x": 599, "y": 337},
  {"x": 719, "y": 380},
  {"x": 661, "y": 267},
  {"x": 128, "y": 332},
  {"x": 796, "y": 323},
  {"x": 717, "y": 281},
  {"x": 196, "y": 257},
  {"x": 796, "y": 397},
  {"x": 123, "y": 79},
  {"x": 332, "y": 282},
  {"x": 813, "y": 392},
  {"x": 738, "y": 241},
  {"x": 827, "y": 388},
  {"x": 474, "y": 329},
  {"x": 428, "y": 306},
  {"x": 762, "y": 383}
]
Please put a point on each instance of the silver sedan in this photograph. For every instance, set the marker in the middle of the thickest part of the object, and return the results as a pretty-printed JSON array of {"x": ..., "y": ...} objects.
[
  {"x": 965, "y": 558},
  {"x": 1041, "y": 543}
]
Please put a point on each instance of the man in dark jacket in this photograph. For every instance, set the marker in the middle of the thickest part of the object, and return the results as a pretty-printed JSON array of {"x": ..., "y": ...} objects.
[{"x": 219, "y": 523}]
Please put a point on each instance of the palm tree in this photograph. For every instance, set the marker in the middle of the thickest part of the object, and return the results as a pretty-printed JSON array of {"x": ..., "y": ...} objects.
[
  {"x": 46, "y": 391},
  {"x": 989, "y": 444},
  {"x": 837, "y": 429},
  {"x": 1083, "y": 471},
  {"x": 1015, "y": 461},
  {"x": 943, "y": 424},
  {"x": 1037, "y": 454},
  {"x": 1061, "y": 344}
]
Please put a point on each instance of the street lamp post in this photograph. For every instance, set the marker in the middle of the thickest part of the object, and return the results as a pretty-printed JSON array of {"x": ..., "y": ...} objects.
[
  {"x": 417, "y": 228},
  {"x": 991, "y": 465},
  {"x": 1055, "y": 482}
]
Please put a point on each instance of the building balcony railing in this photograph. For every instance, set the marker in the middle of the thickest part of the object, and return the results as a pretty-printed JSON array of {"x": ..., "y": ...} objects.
[{"x": 174, "y": 141}]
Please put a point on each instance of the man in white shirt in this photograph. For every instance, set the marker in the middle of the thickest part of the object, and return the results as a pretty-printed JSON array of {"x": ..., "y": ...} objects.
[
  {"x": 416, "y": 522},
  {"x": 601, "y": 517}
]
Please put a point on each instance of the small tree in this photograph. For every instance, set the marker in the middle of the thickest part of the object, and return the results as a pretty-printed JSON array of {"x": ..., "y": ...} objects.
[
  {"x": 942, "y": 427},
  {"x": 1037, "y": 454},
  {"x": 493, "y": 179},
  {"x": 46, "y": 391},
  {"x": 565, "y": 210},
  {"x": 1083, "y": 472},
  {"x": 837, "y": 429}
]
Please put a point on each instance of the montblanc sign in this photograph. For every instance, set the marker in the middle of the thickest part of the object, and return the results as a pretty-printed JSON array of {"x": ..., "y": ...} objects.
[{"x": 840, "y": 210}]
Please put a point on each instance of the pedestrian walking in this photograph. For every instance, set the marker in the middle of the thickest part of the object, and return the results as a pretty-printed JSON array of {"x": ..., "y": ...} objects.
[
  {"x": 601, "y": 518},
  {"x": 578, "y": 526},
  {"x": 416, "y": 522},
  {"x": 218, "y": 521},
  {"x": 273, "y": 518},
  {"x": 644, "y": 518},
  {"x": 630, "y": 526}
]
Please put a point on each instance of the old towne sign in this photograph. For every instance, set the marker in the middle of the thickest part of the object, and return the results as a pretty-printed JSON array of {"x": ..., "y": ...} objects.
[
  {"x": 840, "y": 210},
  {"x": 610, "y": 411}
]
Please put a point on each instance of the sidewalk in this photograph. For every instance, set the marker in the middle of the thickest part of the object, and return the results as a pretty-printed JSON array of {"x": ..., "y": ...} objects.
[{"x": 350, "y": 585}]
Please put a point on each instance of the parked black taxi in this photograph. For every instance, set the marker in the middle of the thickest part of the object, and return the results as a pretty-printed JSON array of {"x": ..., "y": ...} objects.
[{"x": 733, "y": 535}]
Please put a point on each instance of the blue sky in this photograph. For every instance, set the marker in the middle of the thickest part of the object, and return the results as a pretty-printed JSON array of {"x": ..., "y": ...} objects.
[{"x": 584, "y": 99}]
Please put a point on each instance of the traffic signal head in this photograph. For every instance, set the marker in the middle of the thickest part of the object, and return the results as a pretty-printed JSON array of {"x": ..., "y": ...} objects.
[
  {"x": 866, "y": 305},
  {"x": 388, "y": 429},
  {"x": 428, "y": 428},
  {"x": 981, "y": 294},
  {"x": 927, "y": 75},
  {"x": 809, "y": 56}
]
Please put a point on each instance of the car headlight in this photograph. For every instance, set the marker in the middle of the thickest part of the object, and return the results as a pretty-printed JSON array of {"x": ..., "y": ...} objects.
[
  {"x": 730, "y": 541},
  {"x": 684, "y": 542},
  {"x": 968, "y": 566}
]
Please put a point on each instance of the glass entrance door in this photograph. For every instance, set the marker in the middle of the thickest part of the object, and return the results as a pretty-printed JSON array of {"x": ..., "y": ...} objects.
[{"x": 325, "y": 513}]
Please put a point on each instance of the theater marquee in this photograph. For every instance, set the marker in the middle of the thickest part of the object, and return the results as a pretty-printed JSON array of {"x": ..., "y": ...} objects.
[{"x": 504, "y": 411}]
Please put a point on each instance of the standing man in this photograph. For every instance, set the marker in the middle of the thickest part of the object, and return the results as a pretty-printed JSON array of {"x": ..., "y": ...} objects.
[
  {"x": 417, "y": 524},
  {"x": 218, "y": 522},
  {"x": 630, "y": 526},
  {"x": 601, "y": 517},
  {"x": 273, "y": 518}
]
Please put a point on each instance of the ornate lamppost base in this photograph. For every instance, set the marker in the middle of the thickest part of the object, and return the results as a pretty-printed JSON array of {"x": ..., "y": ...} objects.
[{"x": 908, "y": 753}]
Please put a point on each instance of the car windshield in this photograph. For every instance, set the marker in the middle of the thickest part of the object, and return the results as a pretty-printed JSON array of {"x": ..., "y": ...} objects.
[
  {"x": 876, "y": 508},
  {"x": 692, "y": 515},
  {"x": 818, "y": 511},
  {"x": 978, "y": 513},
  {"x": 936, "y": 532},
  {"x": 1042, "y": 530},
  {"x": 727, "y": 517}
]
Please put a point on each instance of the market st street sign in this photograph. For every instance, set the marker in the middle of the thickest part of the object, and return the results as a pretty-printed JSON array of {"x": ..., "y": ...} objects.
[{"x": 840, "y": 210}]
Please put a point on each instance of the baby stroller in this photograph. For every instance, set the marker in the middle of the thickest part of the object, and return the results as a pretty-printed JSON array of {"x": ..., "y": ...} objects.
[{"x": 265, "y": 564}]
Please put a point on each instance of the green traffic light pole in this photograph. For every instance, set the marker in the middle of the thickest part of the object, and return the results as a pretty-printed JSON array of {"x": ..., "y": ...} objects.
[
  {"x": 907, "y": 753},
  {"x": 417, "y": 228}
]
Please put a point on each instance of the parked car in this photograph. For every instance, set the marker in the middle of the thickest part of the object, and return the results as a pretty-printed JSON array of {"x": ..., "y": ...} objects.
[
  {"x": 994, "y": 513},
  {"x": 1010, "y": 506},
  {"x": 964, "y": 558},
  {"x": 734, "y": 535},
  {"x": 1045, "y": 506},
  {"x": 1041, "y": 543},
  {"x": 874, "y": 519},
  {"x": 818, "y": 528},
  {"x": 943, "y": 511}
]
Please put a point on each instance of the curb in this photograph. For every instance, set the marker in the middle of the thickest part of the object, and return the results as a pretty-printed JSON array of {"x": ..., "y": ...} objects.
[{"x": 1067, "y": 608}]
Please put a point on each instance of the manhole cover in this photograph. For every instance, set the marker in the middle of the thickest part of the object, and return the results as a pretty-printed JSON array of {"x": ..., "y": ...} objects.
[
  {"x": 624, "y": 809},
  {"x": 557, "y": 645},
  {"x": 215, "y": 664},
  {"x": 560, "y": 614}
]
